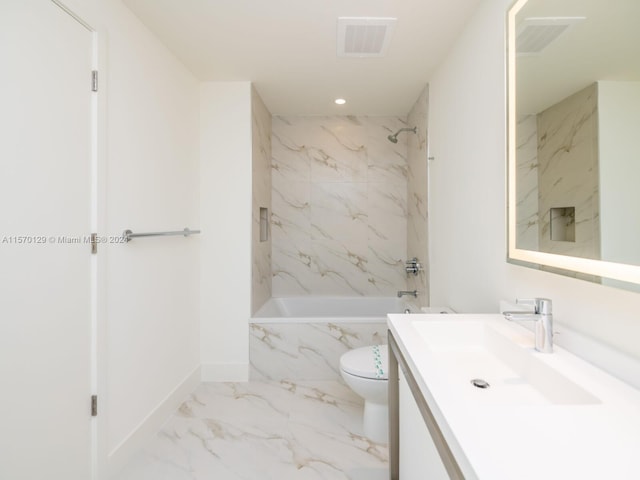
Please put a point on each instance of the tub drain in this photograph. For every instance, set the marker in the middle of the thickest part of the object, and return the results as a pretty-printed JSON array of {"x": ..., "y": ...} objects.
[{"x": 478, "y": 382}]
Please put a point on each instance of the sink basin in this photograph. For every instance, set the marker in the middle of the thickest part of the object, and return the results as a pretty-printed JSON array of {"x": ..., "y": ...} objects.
[{"x": 494, "y": 354}]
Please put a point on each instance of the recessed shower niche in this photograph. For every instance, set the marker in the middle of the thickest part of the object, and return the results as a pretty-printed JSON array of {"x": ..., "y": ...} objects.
[
  {"x": 264, "y": 224},
  {"x": 563, "y": 224}
]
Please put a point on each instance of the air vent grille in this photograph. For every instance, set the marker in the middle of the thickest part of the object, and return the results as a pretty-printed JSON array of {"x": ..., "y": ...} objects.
[
  {"x": 364, "y": 36},
  {"x": 537, "y": 33}
]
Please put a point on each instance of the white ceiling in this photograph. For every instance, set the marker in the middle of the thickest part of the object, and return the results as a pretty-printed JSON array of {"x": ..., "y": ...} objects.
[{"x": 287, "y": 48}]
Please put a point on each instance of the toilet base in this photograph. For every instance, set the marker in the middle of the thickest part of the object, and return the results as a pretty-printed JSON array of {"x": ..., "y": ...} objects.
[{"x": 376, "y": 422}]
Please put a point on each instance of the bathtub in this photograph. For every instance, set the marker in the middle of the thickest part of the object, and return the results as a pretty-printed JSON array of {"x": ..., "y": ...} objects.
[
  {"x": 302, "y": 338},
  {"x": 329, "y": 309}
]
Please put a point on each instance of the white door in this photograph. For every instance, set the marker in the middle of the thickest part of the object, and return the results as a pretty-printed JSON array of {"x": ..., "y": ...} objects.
[{"x": 45, "y": 264}]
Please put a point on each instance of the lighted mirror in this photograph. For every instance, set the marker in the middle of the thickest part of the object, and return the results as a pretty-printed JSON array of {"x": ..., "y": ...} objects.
[{"x": 574, "y": 138}]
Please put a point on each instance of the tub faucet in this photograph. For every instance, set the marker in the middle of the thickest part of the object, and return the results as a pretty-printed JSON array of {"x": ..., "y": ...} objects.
[
  {"x": 412, "y": 266},
  {"x": 413, "y": 293},
  {"x": 544, "y": 322}
]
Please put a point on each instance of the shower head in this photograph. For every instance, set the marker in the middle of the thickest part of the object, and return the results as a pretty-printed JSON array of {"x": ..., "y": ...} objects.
[{"x": 394, "y": 138}]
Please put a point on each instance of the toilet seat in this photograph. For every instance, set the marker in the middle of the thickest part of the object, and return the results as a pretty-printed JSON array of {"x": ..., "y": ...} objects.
[{"x": 370, "y": 362}]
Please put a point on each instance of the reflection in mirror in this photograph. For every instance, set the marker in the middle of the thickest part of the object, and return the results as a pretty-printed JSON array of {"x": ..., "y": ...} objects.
[{"x": 574, "y": 119}]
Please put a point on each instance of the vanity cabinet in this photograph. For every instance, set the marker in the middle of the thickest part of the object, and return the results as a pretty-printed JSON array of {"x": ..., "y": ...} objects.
[
  {"x": 417, "y": 448},
  {"x": 580, "y": 421},
  {"x": 418, "y": 455}
]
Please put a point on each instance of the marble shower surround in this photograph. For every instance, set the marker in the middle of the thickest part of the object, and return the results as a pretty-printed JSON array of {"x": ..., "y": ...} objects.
[
  {"x": 339, "y": 201},
  {"x": 527, "y": 236},
  {"x": 417, "y": 192},
  {"x": 261, "y": 197},
  {"x": 568, "y": 171}
]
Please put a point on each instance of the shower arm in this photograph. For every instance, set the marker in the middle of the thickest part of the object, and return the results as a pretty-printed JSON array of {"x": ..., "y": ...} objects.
[{"x": 394, "y": 138}]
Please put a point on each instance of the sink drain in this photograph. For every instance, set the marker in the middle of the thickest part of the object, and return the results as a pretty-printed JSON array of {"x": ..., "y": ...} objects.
[{"x": 478, "y": 382}]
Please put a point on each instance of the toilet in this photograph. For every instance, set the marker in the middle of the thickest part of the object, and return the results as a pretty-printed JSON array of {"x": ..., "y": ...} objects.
[{"x": 365, "y": 371}]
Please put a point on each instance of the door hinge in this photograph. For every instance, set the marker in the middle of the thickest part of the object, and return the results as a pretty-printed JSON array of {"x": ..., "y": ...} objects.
[
  {"x": 94, "y": 405},
  {"x": 94, "y": 243},
  {"x": 94, "y": 80}
]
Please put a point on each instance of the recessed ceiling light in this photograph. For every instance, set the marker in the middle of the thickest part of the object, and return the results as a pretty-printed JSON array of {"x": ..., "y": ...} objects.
[{"x": 340, "y": 101}]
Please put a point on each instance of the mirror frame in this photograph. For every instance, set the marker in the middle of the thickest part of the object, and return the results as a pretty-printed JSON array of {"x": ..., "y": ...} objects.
[{"x": 530, "y": 258}]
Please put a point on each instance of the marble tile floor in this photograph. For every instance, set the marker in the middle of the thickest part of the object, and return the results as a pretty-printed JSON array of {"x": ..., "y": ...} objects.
[{"x": 260, "y": 431}]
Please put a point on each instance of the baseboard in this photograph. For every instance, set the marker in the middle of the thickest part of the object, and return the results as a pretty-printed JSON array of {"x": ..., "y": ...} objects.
[
  {"x": 225, "y": 372},
  {"x": 149, "y": 427}
]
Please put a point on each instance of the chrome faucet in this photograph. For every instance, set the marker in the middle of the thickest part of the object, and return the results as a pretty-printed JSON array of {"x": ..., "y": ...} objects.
[
  {"x": 413, "y": 293},
  {"x": 544, "y": 321}
]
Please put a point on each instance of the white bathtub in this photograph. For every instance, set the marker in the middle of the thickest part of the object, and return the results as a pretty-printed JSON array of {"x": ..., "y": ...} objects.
[
  {"x": 330, "y": 309},
  {"x": 302, "y": 338}
]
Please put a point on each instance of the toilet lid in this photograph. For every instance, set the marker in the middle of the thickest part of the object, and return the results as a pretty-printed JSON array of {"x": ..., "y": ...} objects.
[{"x": 367, "y": 362}]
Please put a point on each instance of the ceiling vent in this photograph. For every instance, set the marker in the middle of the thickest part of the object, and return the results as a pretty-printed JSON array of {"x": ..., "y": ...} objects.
[
  {"x": 536, "y": 33},
  {"x": 364, "y": 36}
]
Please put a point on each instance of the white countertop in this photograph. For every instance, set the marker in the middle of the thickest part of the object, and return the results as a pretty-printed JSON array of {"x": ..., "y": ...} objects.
[{"x": 528, "y": 441}]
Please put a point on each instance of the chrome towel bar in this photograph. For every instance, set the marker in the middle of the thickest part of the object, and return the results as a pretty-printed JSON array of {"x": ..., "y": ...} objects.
[{"x": 128, "y": 235}]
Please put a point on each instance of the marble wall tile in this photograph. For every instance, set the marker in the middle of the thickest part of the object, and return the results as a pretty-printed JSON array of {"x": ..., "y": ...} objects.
[
  {"x": 305, "y": 121},
  {"x": 307, "y": 351},
  {"x": 293, "y": 266},
  {"x": 387, "y": 204},
  {"x": 339, "y": 206},
  {"x": 291, "y": 217},
  {"x": 339, "y": 212},
  {"x": 417, "y": 196},
  {"x": 387, "y": 161},
  {"x": 341, "y": 265},
  {"x": 527, "y": 183},
  {"x": 337, "y": 153},
  {"x": 568, "y": 172},
  {"x": 290, "y": 158},
  {"x": 261, "y": 274}
]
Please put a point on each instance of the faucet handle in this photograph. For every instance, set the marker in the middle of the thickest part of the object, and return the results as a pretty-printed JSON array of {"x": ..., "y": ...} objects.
[
  {"x": 529, "y": 302},
  {"x": 543, "y": 305},
  {"x": 412, "y": 266},
  {"x": 540, "y": 305}
]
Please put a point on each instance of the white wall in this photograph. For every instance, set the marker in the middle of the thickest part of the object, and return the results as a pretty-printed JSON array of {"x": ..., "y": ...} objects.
[
  {"x": 151, "y": 185},
  {"x": 225, "y": 184},
  {"x": 468, "y": 200}
]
